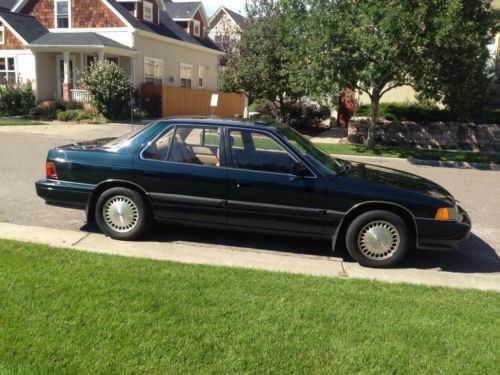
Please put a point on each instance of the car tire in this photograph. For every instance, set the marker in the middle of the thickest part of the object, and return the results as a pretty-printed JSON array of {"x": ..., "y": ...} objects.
[
  {"x": 123, "y": 214},
  {"x": 378, "y": 239}
]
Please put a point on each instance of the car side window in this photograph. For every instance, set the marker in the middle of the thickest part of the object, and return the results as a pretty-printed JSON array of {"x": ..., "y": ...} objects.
[
  {"x": 159, "y": 149},
  {"x": 259, "y": 152},
  {"x": 196, "y": 145}
]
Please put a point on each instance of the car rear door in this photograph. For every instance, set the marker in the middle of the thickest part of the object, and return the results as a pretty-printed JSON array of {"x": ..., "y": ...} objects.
[
  {"x": 262, "y": 190},
  {"x": 181, "y": 170}
]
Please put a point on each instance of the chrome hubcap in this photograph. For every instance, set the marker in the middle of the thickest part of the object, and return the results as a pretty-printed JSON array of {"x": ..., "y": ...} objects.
[
  {"x": 378, "y": 240},
  {"x": 121, "y": 214}
]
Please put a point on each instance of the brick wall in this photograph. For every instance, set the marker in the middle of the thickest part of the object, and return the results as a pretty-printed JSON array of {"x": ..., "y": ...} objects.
[
  {"x": 11, "y": 41},
  {"x": 84, "y": 13},
  {"x": 436, "y": 135}
]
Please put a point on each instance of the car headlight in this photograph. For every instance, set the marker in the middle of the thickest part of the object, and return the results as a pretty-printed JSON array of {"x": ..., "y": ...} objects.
[{"x": 447, "y": 214}]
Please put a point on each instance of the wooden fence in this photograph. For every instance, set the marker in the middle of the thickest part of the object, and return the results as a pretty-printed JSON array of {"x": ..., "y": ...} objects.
[{"x": 177, "y": 101}]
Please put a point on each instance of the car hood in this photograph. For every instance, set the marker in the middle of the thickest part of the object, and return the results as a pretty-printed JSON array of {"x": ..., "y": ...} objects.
[{"x": 397, "y": 179}]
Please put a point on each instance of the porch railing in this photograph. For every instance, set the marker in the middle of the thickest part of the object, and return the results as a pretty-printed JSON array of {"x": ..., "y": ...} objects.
[{"x": 80, "y": 96}]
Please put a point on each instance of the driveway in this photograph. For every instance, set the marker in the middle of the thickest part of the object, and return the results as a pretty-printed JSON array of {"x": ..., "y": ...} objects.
[{"x": 23, "y": 160}]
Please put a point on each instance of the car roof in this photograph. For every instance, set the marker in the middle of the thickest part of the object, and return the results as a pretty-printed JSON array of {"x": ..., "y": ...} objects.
[{"x": 221, "y": 122}]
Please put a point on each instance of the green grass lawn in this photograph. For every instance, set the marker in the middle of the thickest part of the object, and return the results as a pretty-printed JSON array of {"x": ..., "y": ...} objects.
[
  {"x": 18, "y": 121},
  {"x": 70, "y": 312},
  {"x": 410, "y": 153}
]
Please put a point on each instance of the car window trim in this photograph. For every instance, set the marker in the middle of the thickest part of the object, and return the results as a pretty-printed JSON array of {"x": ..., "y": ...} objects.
[
  {"x": 287, "y": 149},
  {"x": 175, "y": 126}
]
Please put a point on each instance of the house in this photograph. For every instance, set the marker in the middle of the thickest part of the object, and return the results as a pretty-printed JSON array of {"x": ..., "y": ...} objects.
[
  {"x": 52, "y": 42},
  {"x": 224, "y": 28}
]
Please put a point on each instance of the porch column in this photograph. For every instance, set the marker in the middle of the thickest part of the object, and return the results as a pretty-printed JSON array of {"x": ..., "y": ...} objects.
[
  {"x": 67, "y": 80},
  {"x": 100, "y": 56}
]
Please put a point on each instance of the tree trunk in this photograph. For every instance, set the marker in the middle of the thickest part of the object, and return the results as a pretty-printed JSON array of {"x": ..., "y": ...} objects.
[{"x": 375, "y": 101}]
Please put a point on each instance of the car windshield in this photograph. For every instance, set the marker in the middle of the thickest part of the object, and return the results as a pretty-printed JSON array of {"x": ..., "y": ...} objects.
[
  {"x": 316, "y": 156},
  {"x": 124, "y": 139}
]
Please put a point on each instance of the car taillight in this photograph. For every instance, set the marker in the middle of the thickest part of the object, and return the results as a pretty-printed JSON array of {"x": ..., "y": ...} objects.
[{"x": 50, "y": 170}]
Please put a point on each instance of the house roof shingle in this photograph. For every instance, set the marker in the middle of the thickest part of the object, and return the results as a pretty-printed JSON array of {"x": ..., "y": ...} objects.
[
  {"x": 29, "y": 28},
  {"x": 238, "y": 18},
  {"x": 167, "y": 27},
  {"x": 7, "y": 4},
  {"x": 77, "y": 39},
  {"x": 181, "y": 10}
]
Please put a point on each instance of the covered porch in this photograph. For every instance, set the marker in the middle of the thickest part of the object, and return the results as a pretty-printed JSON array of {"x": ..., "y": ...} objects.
[{"x": 63, "y": 58}]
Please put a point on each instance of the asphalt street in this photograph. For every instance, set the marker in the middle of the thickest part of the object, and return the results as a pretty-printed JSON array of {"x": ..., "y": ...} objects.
[{"x": 24, "y": 150}]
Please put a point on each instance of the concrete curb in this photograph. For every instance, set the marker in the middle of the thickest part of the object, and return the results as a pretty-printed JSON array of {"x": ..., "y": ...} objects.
[
  {"x": 429, "y": 163},
  {"x": 242, "y": 258}
]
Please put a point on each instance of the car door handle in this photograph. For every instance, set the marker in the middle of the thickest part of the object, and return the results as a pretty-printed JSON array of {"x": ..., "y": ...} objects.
[
  {"x": 243, "y": 184},
  {"x": 150, "y": 174}
]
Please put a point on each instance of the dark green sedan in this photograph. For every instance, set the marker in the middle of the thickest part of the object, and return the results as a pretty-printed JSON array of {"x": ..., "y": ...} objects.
[{"x": 251, "y": 177}]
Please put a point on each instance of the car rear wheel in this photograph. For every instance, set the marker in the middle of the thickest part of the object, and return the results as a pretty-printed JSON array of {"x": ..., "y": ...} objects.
[
  {"x": 378, "y": 239},
  {"x": 123, "y": 214}
]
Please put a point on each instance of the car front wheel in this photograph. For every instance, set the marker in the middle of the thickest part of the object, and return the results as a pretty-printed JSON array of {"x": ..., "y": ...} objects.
[
  {"x": 123, "y": 214},
  {"x": 378, "y": 239}
]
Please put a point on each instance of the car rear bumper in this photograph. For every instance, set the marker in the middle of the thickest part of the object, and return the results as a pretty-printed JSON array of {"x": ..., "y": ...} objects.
[
  {"x": 64, "y": 194},
  {"x": 443, "y": 235}
]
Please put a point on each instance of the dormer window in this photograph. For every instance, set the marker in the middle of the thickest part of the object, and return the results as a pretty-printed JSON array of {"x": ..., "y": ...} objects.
[
  {"x": 62, "y": 14},
  {"x": 196, "y": 28},
  {"x": 147, "y": 11}
]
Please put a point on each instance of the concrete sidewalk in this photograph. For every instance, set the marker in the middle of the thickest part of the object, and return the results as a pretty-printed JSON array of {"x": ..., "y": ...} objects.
[{"x": 244, "y": 258}]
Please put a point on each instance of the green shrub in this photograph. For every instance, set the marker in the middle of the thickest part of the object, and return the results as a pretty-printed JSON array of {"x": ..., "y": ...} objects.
[
  {"x": 303, "y": 115},
  {"x": 44, "y": 112},
  {"x": 75, "y": 115},
  {"x": 18, "y": 100},
  {"x": 109, "y": 89},
  {"x": 418, "y": 112},
  {"x": 139, "y": 113}
]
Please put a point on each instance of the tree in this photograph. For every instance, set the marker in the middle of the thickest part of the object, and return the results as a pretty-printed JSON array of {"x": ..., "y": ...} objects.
[
  {"x": 109, "y": 89},
  {"x": 376, "y": 46},
  {"x": 263, "y": 65}
]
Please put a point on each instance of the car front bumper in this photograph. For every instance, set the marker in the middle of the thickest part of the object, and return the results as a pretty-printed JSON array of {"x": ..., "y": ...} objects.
[
  {"x": 443, "y": 235},
  {"x": 63, "y": 193}
]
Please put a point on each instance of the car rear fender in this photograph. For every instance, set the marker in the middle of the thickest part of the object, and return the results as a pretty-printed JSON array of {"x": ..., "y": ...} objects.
[
  {"x": 108, "y": 184},
  {"x": 360, "y": 208}
]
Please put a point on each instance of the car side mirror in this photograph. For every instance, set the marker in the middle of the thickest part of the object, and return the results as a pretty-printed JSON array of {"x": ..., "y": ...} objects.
[{"x": 300, "y": 170}]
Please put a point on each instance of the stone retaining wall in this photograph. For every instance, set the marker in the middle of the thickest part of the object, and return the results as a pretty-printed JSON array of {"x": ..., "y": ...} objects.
[{"x": 437, "y": 135}]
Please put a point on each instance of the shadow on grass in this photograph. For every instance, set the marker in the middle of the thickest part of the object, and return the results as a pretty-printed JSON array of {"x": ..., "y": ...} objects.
[{"x": 473, "y": 256}]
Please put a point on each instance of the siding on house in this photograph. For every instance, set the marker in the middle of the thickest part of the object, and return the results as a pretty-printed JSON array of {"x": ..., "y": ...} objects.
[
  {"x": 399, "y": 95},
  {"x": 173, "y": 55}
]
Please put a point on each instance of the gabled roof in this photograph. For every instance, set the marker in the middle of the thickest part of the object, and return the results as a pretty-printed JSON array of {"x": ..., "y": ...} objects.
[
  {"x": 181, "y": 10},
  {"x": 236, "y": 17},
  {"x": 184, "y": 11},
  {"x": 77, "y": 39},
  {"x": 7, "y": 4},
  {"x": 167, "y": 27},
  {"x": 27, "y": 27}
]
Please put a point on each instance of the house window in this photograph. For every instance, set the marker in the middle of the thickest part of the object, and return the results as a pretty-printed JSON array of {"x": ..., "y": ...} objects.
[
  {"x": 2, "y": 34},
  {"x": 147, "y": 11},
  {"x": 7, "y": 71},
  {"x": 186, "y": 75},
  {"x": 153, "y": 71},
  {"x": 62, "y": 14},
  {"x": 201, "y": 76},
  {"x": 196, "y": 28}
]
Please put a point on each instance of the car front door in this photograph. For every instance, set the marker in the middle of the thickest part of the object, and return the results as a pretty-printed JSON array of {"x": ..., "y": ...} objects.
[
  {"x": 264, "y": 192},
  {"x": 181, "y": 170}
]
